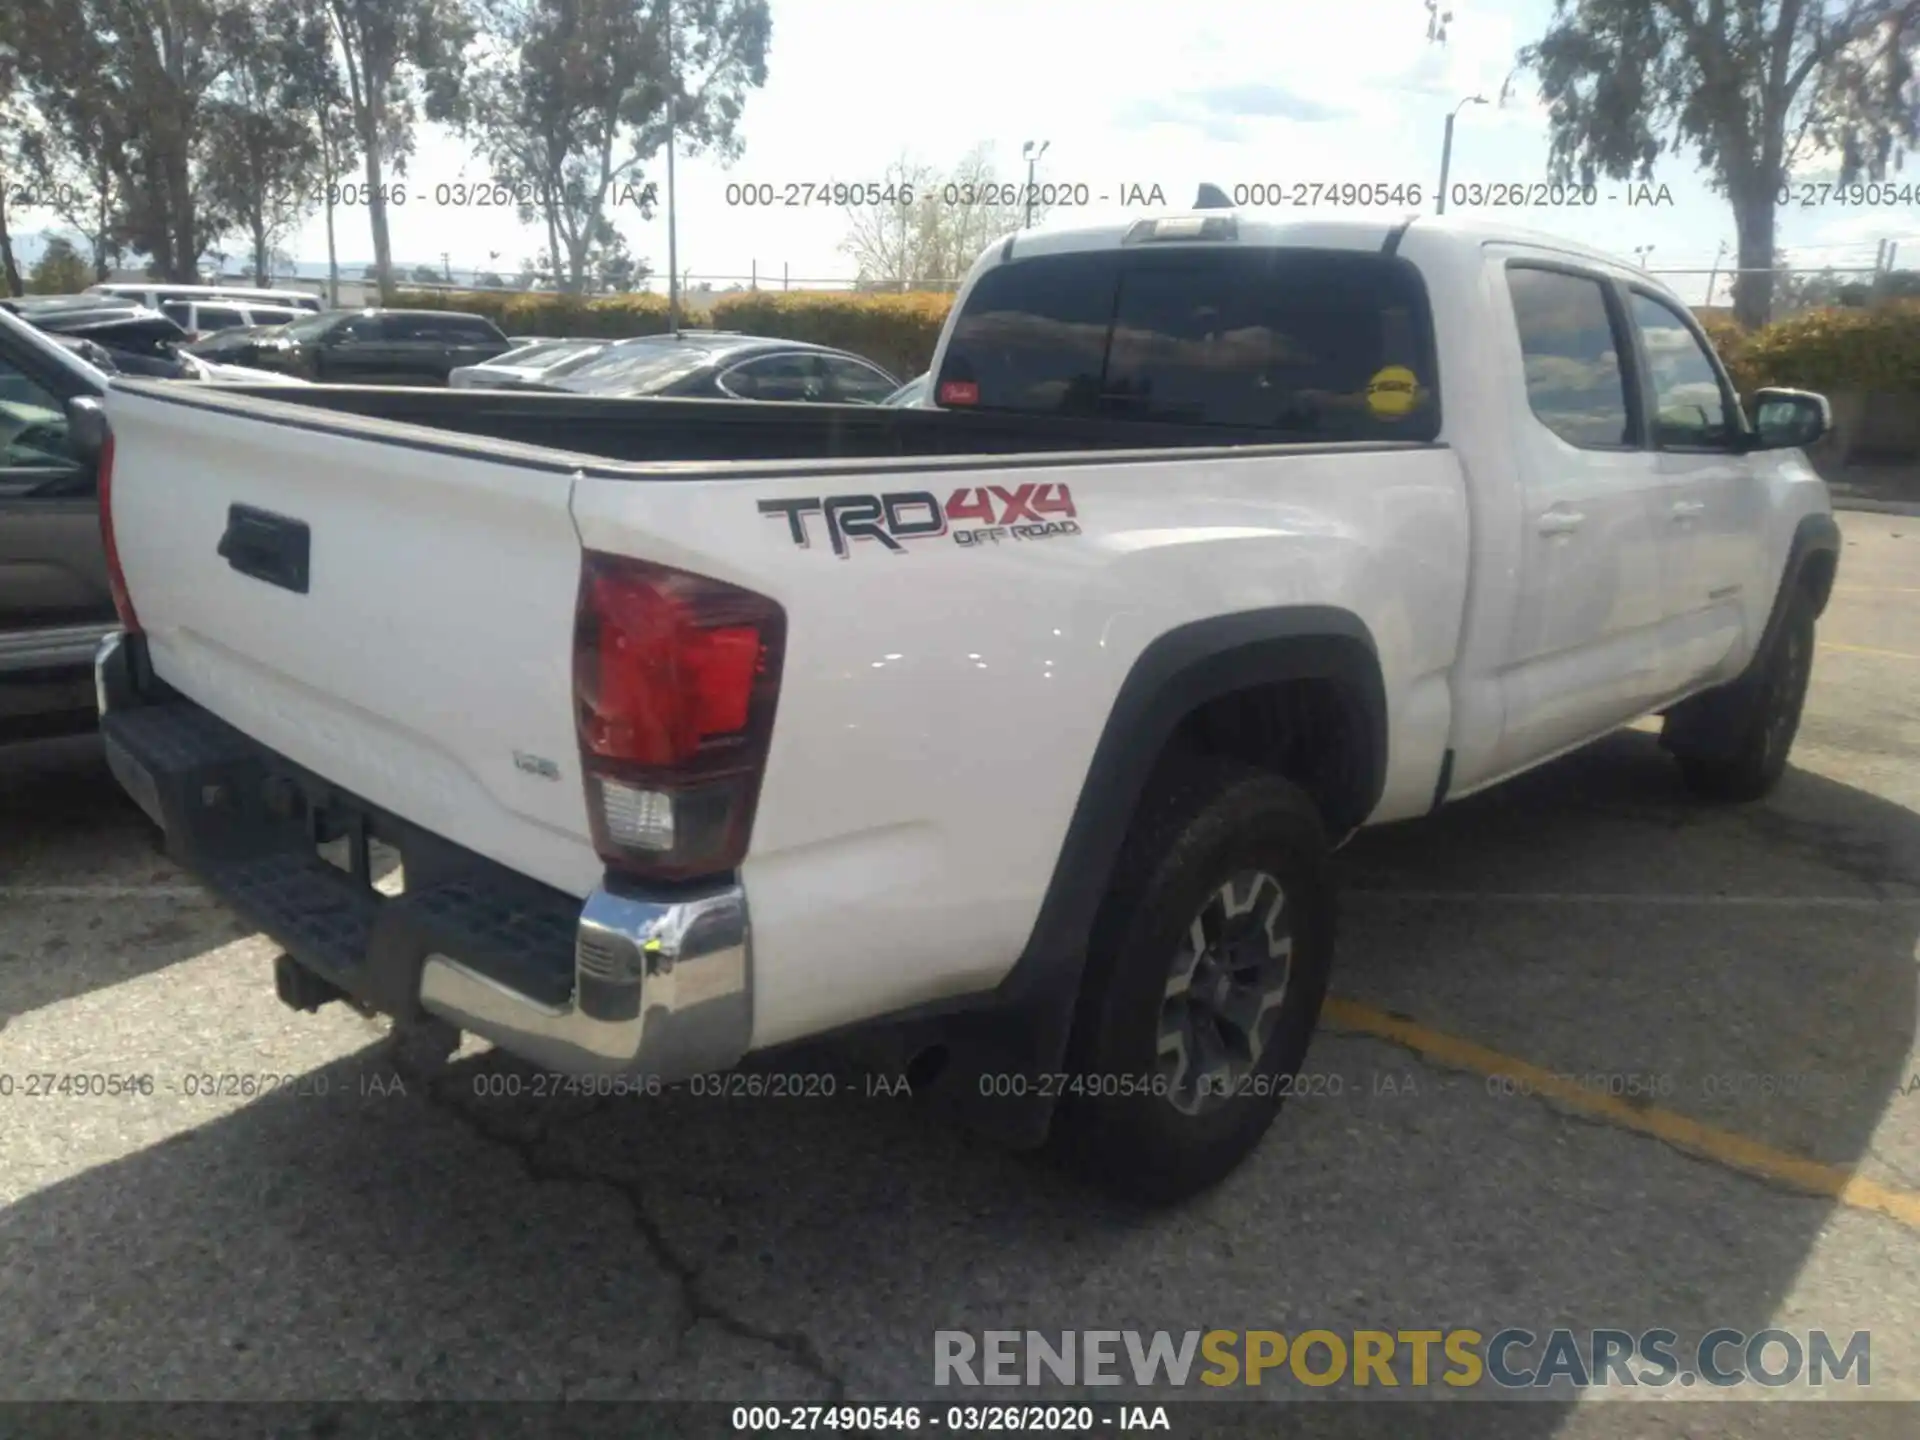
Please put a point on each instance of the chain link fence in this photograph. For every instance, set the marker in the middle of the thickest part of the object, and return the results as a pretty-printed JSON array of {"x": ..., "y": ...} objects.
[{"x": 1796, "y": 289}]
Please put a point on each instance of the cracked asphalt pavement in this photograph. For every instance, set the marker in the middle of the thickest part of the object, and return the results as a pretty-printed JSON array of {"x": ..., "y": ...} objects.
[{"x": 357, "y": 1232}]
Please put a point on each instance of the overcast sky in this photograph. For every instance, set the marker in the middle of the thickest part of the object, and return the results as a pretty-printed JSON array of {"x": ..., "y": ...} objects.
[{"x": 1125, "y": 94}]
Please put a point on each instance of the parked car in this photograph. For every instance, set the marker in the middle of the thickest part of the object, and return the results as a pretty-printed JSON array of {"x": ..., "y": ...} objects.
[
  {"x": 195, "y": 368},
  {"x": 725, "y": 366},
  {"x": 377, "y": 347},
  {"x": 154, "y": 296},
  {"x": 204, "y": 318},
  {"x": 214, "y": 372},
  {"x": 235, "y": 347},
  {"x": 55, "y": 602},
  {"x": 141, "y": 341},
  {"x": 914, "y": 392},
  {"x": 1026, "y": 763},
  {"x": 527, "y": 362}
]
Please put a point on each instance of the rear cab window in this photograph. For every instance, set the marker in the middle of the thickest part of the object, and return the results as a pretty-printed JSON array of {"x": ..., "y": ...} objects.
[
  {"x": 1296, "y": 344},
  {"x": 1570, "y": 348}
]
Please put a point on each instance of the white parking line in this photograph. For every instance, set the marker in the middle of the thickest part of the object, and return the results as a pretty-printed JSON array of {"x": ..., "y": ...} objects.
[{"x": 1561, "y": 897}]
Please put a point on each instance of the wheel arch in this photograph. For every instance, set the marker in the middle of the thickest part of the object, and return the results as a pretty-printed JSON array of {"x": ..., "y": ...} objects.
[
  {"x": 1176, "y": 677},
  {"x": 1708, "y": 724}
]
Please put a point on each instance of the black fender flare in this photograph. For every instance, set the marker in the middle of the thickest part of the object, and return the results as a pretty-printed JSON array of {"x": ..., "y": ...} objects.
[
  {"x": 1708, "y": 723},
  {"x": 1023, "y": 1027}
]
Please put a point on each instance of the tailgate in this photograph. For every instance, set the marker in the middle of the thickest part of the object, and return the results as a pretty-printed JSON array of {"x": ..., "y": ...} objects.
[{"x": 422, "y": 661}]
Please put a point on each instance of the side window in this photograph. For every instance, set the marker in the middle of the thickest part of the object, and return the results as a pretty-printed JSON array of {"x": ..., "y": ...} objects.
[
  {"x": 778, "y": 377},
  {"x": 33, "y": 434},
  {"x": 179, "y": 312},
  {"x": 219, "y": 317},
  {"x": 1575, "y": 384},
  {"x": 1689, "y": 407},
  {"x": 855, "y": 383},
  {"x": 359, "y": 329},
  {"x": 470, "y": 330}
]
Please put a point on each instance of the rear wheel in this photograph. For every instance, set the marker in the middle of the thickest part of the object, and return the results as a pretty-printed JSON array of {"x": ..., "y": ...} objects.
[
  {"x": 1767, "y": 719},
  {"x": 1205, "y": 977}
]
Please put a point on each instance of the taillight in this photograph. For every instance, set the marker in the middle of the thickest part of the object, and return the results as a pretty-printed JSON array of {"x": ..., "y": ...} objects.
[
  {"x": 674, "y": 678},
  {"x": 116, "y": 577}
]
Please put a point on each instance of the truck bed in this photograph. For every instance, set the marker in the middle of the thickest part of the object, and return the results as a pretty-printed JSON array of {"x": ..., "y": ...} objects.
[{"x": 665, "y": 430}]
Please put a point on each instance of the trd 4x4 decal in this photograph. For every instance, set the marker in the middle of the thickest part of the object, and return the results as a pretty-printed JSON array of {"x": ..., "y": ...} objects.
[{"x": 1002, "y": 513}]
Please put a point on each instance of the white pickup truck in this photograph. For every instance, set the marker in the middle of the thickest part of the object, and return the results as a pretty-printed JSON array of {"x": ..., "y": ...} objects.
[{"x": 1016, "y": 732}]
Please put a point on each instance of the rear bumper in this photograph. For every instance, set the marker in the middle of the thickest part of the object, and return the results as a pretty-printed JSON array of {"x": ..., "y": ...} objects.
[{"x": 629, "y": 980}]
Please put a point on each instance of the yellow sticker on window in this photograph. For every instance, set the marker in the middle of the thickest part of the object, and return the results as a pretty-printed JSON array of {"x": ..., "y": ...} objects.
[{"x": 1393, "y": 392}]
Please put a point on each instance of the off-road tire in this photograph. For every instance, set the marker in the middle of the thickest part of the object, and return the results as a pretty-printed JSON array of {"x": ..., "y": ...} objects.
[
  {"x": 1767, "y": 718},
  {"x": 1202, "y": 824}
]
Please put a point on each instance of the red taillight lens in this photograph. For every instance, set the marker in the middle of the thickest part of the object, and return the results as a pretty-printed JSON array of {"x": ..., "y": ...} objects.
[
  {"x": 116, "y": 577},
  {"x": 675, "y": 679}
]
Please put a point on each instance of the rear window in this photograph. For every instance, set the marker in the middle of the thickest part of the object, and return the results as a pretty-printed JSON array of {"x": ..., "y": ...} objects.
[
  {"x": 643, "y": 367},
  {"x": 1309, "y": 344}
]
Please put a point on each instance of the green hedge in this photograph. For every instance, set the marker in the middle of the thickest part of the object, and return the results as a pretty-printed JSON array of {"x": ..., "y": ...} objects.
[
  {"x": 898, "y": 332},
  {"x": 1833, "y": 350},
  {"x": 604, "y": 317}
]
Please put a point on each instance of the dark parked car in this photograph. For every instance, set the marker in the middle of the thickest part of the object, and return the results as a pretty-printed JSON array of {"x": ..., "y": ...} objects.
[
  {"x": 719, "y": 366},
  {"x": 55, "y": 604},
  {"x": 141, "y": 341},
  {"x": 365, "y": 347}
]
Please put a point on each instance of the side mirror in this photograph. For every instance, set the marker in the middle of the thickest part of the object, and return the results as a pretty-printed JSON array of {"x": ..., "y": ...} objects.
[
  {"x": 86, "y": 428},
  {"x": 1790, "y": 419}
]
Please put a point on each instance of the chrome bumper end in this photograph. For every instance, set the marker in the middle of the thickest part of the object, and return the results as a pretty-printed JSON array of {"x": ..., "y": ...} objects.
[
  {"x": 662, "y": 987},
  {"x": 112, "y": 673}
]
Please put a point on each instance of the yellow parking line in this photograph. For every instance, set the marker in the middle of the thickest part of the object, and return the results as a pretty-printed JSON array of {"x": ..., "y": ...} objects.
[
  {"x": 1736, "y": 1152},
  {"x": 1868, "y": 650}
]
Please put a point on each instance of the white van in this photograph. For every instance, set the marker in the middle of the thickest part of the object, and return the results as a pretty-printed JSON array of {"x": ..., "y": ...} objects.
[
  {"x": 154, "y": 296},
  {"x": 201, "y": 318}
]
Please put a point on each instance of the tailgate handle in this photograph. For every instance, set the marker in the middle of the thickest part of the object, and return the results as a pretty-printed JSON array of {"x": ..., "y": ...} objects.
[{"x": 266, "y": 546}]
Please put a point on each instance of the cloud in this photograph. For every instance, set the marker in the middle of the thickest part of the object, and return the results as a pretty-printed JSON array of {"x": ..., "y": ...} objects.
[
  {"x": 1222, "y": 112},
  {"x": 1273, "y": 102}
]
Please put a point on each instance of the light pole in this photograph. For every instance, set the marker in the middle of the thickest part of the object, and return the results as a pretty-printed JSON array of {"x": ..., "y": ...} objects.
[
  {"x": 1032, "y": 157},
  {"x": 1713, "y": 276},
  {"x": 1640, "y": 253},
  {"x": 1446, "y": 150},
  {"x": 673, "y": 253}
]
